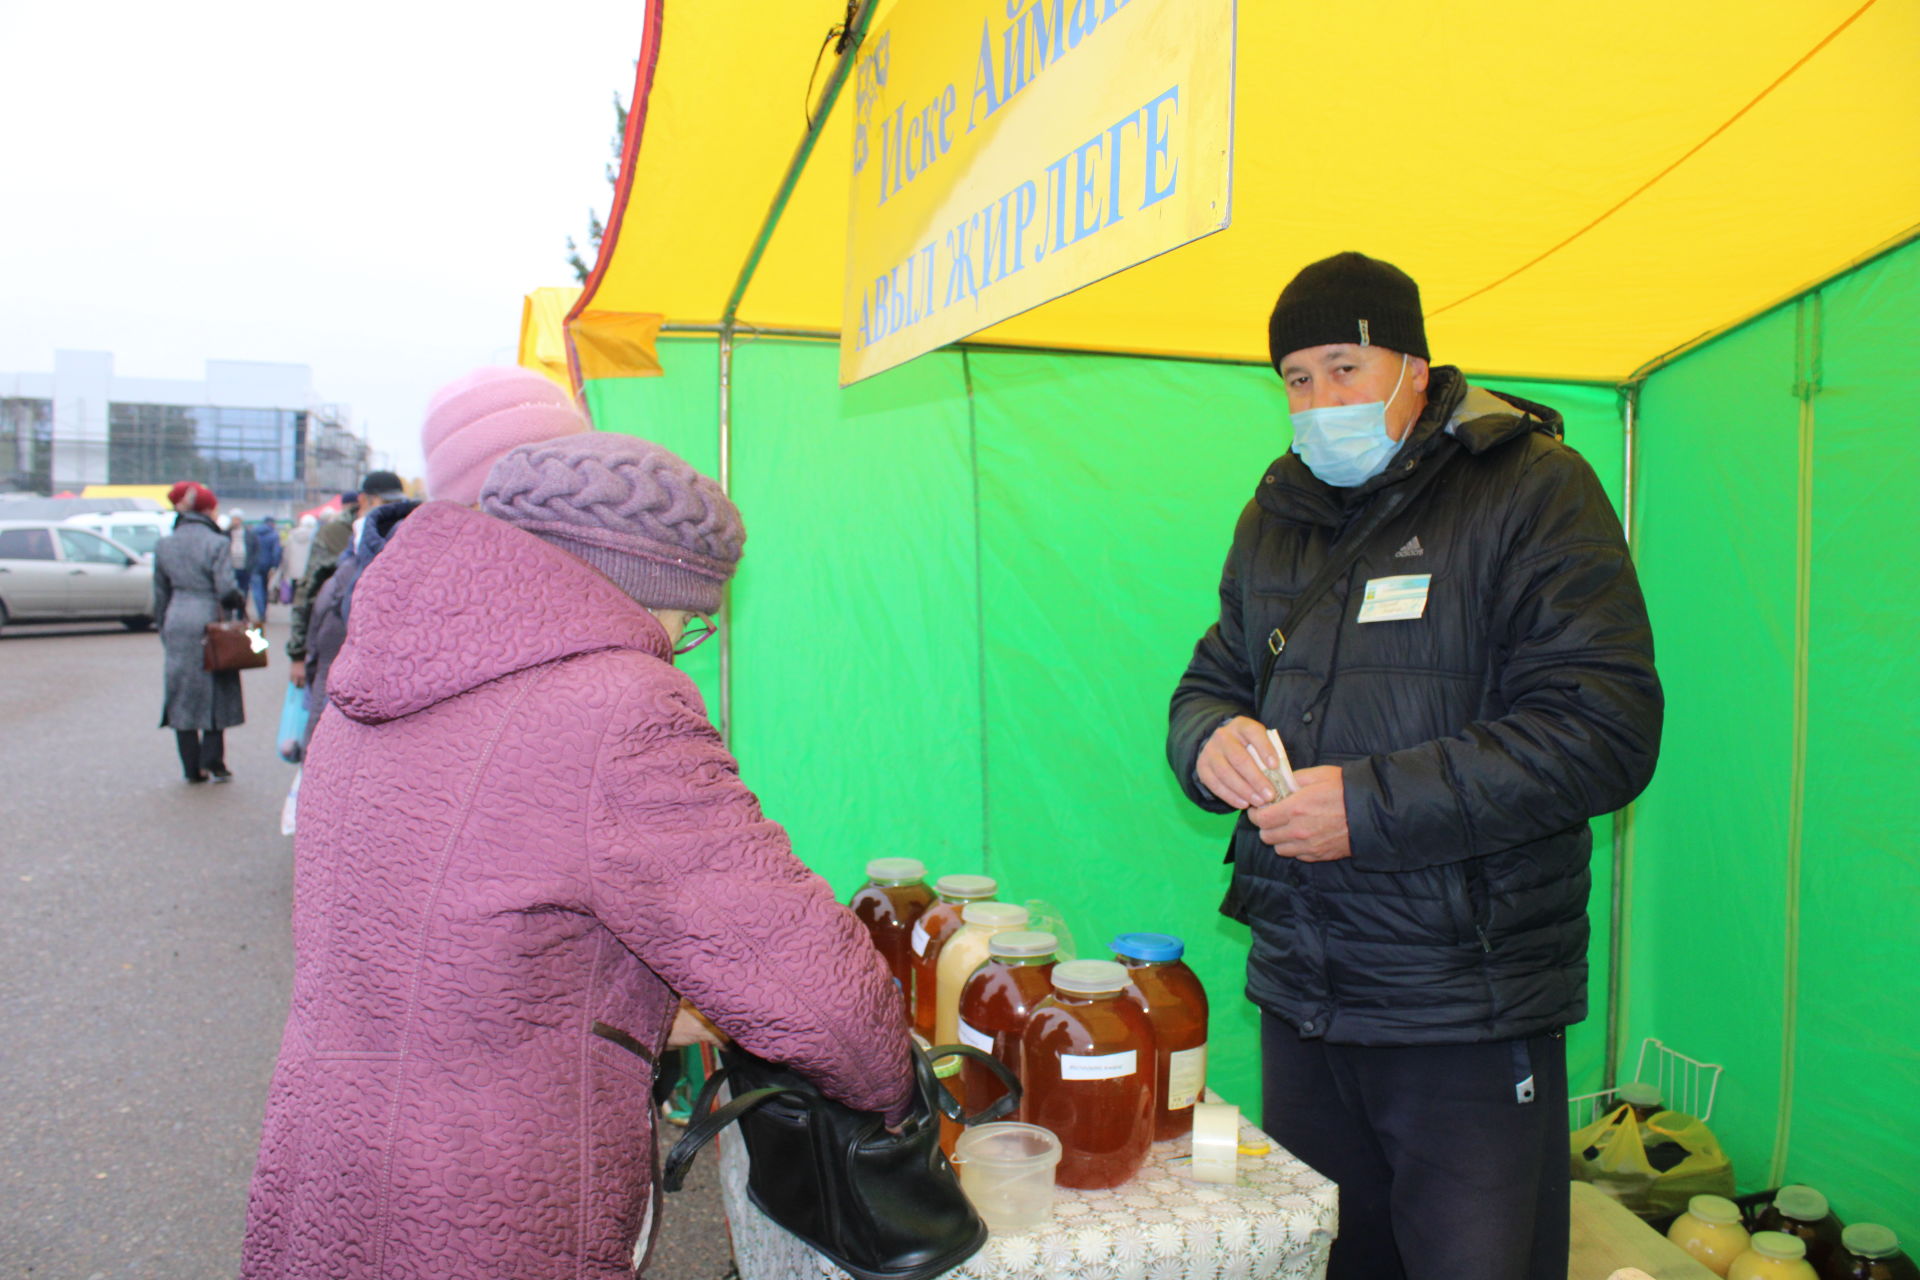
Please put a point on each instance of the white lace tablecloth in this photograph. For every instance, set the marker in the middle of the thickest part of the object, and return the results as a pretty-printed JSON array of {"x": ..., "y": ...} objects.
[{"x": 1278, "y": 1221}]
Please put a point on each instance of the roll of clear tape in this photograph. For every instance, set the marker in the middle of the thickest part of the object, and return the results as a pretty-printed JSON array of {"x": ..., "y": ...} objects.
[{"x": 1216, "y": 1142}]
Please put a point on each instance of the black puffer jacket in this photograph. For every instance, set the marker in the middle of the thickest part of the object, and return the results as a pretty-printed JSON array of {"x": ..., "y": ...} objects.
[{"x": 1476, "y": 741}]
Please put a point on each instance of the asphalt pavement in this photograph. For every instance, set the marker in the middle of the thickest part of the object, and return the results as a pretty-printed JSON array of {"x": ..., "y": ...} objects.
[{"x": 145, "y": 964}]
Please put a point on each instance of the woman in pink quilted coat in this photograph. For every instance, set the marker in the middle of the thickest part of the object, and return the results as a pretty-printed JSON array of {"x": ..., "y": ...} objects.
[{"x": 521, "y": 844}]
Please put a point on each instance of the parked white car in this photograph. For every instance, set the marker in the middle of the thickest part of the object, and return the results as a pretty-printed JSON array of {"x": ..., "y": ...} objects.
[
  {"x": 51, "y": 571},
  {"x": 139, "y": 531}
]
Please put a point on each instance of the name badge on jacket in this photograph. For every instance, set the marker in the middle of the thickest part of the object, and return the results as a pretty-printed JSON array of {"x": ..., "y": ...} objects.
[{"x": 1395, "y": 599}]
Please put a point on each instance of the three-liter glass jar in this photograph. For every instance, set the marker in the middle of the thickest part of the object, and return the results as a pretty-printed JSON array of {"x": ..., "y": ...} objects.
[
  {"x": 1869, "y": 1251},
  {"x": 889, "y": 904},
  {"x": 1801, "y": 1211},
  {"x": 996, "y": 1003},
  {"x": 1711, "y": 1231},
  {"x": 940, "y": 921},
  {"x": 965, "y": 951},
  {"x": 1773, "y": 1255},
  {"x": 1086, "y": 1065},
  {"x": 1176, "y": 1004}
]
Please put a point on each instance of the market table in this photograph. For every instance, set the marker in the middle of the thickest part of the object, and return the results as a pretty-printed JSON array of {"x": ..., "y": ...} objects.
[{"x": 1277, "y": 1221}]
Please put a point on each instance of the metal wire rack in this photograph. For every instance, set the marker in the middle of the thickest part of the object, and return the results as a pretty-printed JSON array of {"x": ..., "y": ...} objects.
[{"x": 1686, "y": 1084}]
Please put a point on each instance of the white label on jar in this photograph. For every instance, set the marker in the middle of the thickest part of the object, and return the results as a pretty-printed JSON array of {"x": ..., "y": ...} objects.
[
  {"x": 978, "y": 1039},
  {"x": 919, "y": 938},
  {"x": 1186, "y": 1077},
  {"x": 1105, "y": 1066}
]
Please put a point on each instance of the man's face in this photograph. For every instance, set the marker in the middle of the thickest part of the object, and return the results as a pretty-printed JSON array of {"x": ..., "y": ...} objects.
[{"x": 1343, "y": 373}]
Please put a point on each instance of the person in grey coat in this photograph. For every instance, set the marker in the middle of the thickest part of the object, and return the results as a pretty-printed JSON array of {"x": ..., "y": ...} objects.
[{"x": 194, "y": 584}]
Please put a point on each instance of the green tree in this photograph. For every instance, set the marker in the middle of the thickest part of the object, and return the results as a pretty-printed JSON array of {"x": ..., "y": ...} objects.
[{"x": 595, "y": 228}]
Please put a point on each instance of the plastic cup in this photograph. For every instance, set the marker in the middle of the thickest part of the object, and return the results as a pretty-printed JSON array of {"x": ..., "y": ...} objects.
[{"x": 1006, "y": 1169}]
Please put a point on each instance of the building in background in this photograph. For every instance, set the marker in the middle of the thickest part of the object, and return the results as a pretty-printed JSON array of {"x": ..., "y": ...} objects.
[{"x": 251, "y": 431}]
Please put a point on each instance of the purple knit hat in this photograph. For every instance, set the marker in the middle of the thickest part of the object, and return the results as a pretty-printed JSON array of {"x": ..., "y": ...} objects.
[
  {"x": 663, "y": 532},
  {"x": 475, "y": 419}
]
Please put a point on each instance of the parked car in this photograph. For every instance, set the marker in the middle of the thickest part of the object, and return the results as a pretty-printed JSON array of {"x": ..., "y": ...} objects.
[
  {"x": 139, "y": 531},
  {"x": 55, "y": 572}
]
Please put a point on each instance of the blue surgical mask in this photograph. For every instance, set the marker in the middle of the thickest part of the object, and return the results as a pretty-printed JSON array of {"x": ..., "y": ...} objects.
[{"x": 1347, "y": 444}]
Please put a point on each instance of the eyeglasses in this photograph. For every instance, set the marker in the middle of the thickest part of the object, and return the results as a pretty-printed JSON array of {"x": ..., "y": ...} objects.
[{"x": 699, "y": 629}]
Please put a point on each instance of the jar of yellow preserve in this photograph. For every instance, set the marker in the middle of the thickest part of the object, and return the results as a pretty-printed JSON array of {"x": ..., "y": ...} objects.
[
  {"x": 1773, "y": 1255},
  {"x": 1710, "y": 1230}
]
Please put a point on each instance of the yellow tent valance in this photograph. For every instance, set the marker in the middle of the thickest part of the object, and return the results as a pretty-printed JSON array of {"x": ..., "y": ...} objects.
[{"x": 1578, "y": 189}]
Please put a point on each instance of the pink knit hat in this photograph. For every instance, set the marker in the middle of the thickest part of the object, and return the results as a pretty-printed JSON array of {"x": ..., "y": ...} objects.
[
  {"x": 475, "y": 420},
  {"x": 665, "y": 534}
]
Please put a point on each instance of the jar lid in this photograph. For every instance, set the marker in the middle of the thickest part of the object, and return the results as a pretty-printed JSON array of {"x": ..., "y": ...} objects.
[
  {"x": 1718, "y": 1210},
  {"x": 1639, "y": 1093},
  {"x": 1022, "y": 943},
  {"x": 1148, "y": 946},
  {"x": 1089, "y": 977},
  {"x": 1803, "y": 1204},
  {"x": 965, "y": 886},
  {"x": 1778, "y": 1244},
  {"x": 995, "y": 915},
  {"x": 1870, "y": 1240},
  {"x": 896, "y": 869}
]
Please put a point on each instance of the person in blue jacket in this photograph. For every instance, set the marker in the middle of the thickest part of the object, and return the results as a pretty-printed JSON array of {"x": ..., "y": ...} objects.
[{"x": 262, "y": 557}]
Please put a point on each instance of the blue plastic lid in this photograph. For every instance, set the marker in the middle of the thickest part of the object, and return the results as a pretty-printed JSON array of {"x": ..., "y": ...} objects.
[{"x": 1148, "y": 946}]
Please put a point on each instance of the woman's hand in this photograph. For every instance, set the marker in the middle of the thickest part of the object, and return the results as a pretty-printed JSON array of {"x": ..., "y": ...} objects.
[{"x": 690, "y": 1027}]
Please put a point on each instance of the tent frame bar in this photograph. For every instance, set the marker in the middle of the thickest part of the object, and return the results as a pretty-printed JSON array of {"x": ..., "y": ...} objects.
[{"x": 851, "y": 38}]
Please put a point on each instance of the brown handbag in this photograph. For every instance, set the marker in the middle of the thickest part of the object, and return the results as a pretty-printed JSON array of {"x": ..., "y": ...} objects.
[{"x": 233, "y": 645}]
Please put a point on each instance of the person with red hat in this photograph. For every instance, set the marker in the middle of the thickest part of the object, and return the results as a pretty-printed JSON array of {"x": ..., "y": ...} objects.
[{"x": 193, "y": 584}]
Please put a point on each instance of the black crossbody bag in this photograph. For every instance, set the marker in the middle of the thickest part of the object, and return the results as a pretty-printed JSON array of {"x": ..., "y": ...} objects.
[
  {"x": 1339, "y": 560},
  {"x": 880, "y": 1205}
]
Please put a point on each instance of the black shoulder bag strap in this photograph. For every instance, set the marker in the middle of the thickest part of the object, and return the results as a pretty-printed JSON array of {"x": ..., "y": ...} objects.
[{"x": 1341, "y": 558}]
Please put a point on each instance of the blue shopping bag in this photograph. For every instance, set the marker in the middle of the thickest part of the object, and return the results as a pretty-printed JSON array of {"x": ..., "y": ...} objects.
[{"x": 293, "y": 724}]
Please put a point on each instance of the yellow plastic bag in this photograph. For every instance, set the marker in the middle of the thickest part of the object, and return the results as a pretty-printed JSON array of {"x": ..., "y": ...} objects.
[{"x": 1612, "y": 1154}]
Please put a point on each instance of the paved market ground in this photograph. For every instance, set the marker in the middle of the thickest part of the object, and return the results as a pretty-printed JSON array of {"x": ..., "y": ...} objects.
[{"x": 144, "y": 971}]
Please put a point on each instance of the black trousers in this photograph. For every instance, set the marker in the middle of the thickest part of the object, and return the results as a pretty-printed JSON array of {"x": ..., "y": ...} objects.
[
  {"x": 1443, "y": 1171},
  {"x": 201, "y": 750}
]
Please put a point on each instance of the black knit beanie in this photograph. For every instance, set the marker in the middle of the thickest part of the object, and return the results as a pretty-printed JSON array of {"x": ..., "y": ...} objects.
[{"x": 1348, "y": 298}]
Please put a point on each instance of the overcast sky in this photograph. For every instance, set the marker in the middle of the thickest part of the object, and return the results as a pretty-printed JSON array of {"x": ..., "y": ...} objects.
[{"x": 365, "y": 188}]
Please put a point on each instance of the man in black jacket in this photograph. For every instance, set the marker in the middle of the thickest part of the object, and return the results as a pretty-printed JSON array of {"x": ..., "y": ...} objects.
[{"x": 1430, "y": 600}]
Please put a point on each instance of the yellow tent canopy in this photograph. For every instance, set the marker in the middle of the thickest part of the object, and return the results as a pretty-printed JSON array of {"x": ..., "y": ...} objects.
[{"x": 1578, "y": 189}]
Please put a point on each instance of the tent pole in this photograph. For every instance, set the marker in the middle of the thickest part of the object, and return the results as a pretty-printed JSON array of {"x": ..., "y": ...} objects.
[
  {"x": 726, "y": 487},
  {"x": 849, "y": 50},
  {"x": 729, "y": 317},
  {"x": 1623, "y": 820}
]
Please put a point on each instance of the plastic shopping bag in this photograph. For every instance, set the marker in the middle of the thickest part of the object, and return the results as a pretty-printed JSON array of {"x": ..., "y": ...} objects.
[
  {"x": 1655, "y": 1168},
  {"x": 293, "y": 724},
  {"x": 290, "y": 805}
]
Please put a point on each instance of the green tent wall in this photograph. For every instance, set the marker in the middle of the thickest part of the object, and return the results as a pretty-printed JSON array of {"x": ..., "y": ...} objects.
[{"x": 970, "y": 584}]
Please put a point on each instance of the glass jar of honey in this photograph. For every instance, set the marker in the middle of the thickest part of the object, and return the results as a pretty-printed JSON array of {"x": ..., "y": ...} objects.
[
  {"x": 1086, "y": 1065},
  {"x": 1801, "y": 1211},
  {"x": 940, "y": 921},
  {"x": 1175, "y": 1002},
  {"x": 889, "y": 904},
  {"x": 966, "y": 950},
  {"x": 1773, "y": 1255},
  {"x": 1869, "y": 1251},
  {"x": 1711, "y": 1231},
  {"x": 996, "y": 1003}
]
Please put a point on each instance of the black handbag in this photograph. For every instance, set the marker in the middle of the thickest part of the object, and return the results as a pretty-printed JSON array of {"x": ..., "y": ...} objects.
[{"x": 880, "y": 1205}]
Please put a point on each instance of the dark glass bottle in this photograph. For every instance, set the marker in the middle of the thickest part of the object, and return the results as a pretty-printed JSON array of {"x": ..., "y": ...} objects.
[
  {"x": 889, "y": 904},
  {"x": 1802, "y": 1211},
  {"x": 1175, "y": 1002},
  {"x": 1086, "y": 1064},
  {"x": 940, "y": 921},
  {"x": 995, "y": 1006}
]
